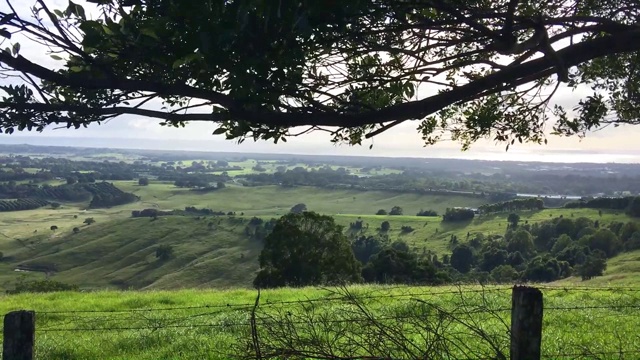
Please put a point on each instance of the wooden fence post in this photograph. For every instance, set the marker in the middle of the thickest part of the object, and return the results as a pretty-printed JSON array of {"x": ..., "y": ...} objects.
[
  {"x": 526, "y": 323},
  {"x": 19, "y": 335}
]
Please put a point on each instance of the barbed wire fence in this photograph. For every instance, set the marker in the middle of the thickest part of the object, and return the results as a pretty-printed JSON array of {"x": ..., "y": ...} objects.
[{"x": 347, "y": 323}]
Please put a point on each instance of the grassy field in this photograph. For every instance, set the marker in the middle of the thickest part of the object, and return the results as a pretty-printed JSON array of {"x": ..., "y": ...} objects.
[
  {"x": 120, "y": 253},
  {"x": 579, "y": 323},
  {"x": 276, "y": 201},
  {"x": 264, "y": 201}
]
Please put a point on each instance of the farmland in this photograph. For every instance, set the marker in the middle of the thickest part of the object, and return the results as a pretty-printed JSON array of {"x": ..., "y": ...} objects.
[
  {"x": 200, "y": 295},
  {"x": 194, "y": 324}
]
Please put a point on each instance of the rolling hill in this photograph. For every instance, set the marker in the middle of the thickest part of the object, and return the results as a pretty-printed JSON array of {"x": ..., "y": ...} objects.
[{"x": 216, "y": 252}]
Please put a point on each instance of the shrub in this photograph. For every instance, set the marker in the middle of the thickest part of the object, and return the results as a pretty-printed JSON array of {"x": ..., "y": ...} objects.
[{"x": 164, "y": 252}]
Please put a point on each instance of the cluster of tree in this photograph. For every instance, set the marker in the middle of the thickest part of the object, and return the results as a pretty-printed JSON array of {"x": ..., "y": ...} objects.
[
  {"x": 427, "y": 213},
  {"x": 630, "y": 204},
  {"x": 513, "y": 205},
  {"x": 75, "y": 192},
  {"x": 107, "y": 195},
  {"x": 40, "y": 286},
  {"x": 151, "y": 213},
  {"x": 257, "y": 229},
  {"x": 204, "y": 211},
  {"x": 545, "y": 251},
  {"x": 310, "y": 249},
  {"x": 458, "y": 214},
  {"x": 396, "y": 210},
  {"x": 22, "y": 204}
]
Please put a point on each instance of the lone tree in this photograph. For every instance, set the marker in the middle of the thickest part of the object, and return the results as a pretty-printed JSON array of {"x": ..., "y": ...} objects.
[
  {"x": 463, "y": 70},
  {"x": 164, "y": 252},
  {"x": 143, "y": 181},
  {"x": 89, "y": 221},
  {"x": 513, "y": 220},
  {"x": 306, "y": 249},
  {"x": 298, "y": 208}
]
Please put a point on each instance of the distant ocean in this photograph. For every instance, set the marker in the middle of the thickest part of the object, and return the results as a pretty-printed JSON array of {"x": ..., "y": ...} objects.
[{"x": 216, "y": 144}]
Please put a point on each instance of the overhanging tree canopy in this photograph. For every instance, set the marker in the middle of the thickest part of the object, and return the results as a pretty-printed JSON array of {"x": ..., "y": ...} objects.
[{"x": 461, "y": 69}]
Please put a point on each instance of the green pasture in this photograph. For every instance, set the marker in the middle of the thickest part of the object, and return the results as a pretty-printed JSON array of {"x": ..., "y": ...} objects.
[{"x": 582, "y": 323}]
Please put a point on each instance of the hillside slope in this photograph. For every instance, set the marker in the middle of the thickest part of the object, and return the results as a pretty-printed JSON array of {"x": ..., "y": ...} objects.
[{"x": 121, "y": 254}]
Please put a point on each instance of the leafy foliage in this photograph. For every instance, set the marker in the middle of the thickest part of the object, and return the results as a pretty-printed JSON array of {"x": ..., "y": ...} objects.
[
  {"x": 458, "y": 214},
  {"x": 306, "y": 249},
  {"x": 359, "y": 66},
  {"x": 164, "y": 252}
]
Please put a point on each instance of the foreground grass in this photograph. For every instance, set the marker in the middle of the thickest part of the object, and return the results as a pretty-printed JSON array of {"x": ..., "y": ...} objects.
[{"x": 206, "y": 324}]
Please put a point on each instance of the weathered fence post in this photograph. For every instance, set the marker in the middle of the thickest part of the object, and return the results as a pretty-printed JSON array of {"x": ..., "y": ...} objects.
[
  {"x": 19, "y": 335},
  {"x": 526, "y": 323}
]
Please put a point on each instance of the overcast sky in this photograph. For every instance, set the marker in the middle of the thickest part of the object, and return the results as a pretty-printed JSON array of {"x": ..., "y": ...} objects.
[{"x": 609, "y": 145}]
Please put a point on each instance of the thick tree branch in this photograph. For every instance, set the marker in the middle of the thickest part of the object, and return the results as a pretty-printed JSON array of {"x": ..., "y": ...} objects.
[
  {"x": 117, "y": 110},
  {"x": 572, "y": 55}
]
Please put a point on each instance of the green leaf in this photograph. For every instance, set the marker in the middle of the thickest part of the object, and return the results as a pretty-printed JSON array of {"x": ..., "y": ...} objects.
[
  {"x": 56, "y": 57},
  {"x": 79, "y": 11},
  {"x": 149, "y": 33},
  {"x": 106, "y": 30},
  {"x": 58, "y": 12},
  {"x": 76, "y": 68},
  {"x": 16, "y": 48},
  {"x": 219, "y": 131}
]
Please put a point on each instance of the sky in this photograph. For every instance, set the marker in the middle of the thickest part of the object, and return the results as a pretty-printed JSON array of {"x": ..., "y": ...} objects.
[{"x": 608, "y": 145}]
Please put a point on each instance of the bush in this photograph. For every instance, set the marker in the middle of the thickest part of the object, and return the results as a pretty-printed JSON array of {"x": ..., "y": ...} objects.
[
  {"x": 381, "y": 212},
  {"x": 40, "y": 286},
  {"x": 143, "y": 181},
  {"x": 89, "y": 221},
  {"x": 396, "y": 210},
  {"x": 405, "y": 229},
  {"x": 427, "y": 213},
  {"x": 385, "y": 226},
  {"x": 298, "y": 208},
  {"x": 458, "y": 214},
  {"x": 164, "y": 252},
  {"x": 76, "y": 230}
]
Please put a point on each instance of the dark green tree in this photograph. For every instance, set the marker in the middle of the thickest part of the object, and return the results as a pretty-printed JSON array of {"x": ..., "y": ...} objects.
[
  {"x": 385, "y": 226},
  {"x": 228, "y": 59},
  {"x": 164, "y": 252},
  {"x": 89, "y": 221},
  {"x": 594, "y": 265},
  {"x": 462, "y": 258},
  {"x": 381, "y": 212},
  {"x": 522, "y": 242},
  {"x": 306, "y": 249},
  {"x": 396, "y": 210},
  {"x": 391, "y": 266},
  {"x": 504, "y": 274},
  {"x": 604, "y": 240},
  {"x": 634, "y": 207},
  {"x": 298, "y": 208},
  {"x": 143, "y": 181},
  {"x": 513, "y": 220},
  {"x": 366, "y": 246}
]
